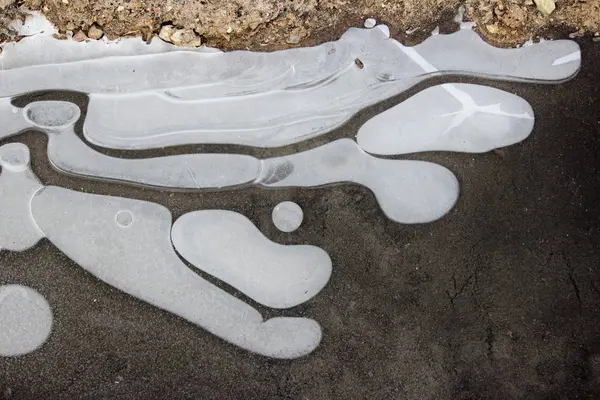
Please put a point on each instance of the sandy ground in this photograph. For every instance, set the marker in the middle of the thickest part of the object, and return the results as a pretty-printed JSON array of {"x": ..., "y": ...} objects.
[
  {"x": 270, "y": 24},
  {"x": 498, "y": 300}
]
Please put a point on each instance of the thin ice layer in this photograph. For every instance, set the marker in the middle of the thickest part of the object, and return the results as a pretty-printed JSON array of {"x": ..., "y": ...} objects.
[
  {"x": 284, "y": 100},
  {"x": 70, "y": 154},
  {"x": 25, "y": 320},
  {"x": 126, "y": 243},
  {"x": 228, "y": 246},
  {"x": 18, "y": 185},
  {"x": 450, "y": 117},
  {"x": 179, "y": 97},
  {"x": 407, "y": 191}
]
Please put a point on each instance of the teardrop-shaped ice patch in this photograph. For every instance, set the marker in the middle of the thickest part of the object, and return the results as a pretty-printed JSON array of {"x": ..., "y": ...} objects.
[
  {"x": 228, "y": 245},
  {"x": 450, "y": 117}
]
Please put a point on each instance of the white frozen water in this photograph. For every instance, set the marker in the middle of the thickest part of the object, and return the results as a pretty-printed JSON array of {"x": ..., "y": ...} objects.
[
  {"x": 285, "y": 97},
  {"x": 228, "y": 246},
  {"x": 399, "y": 186},
  {"x": 137, "y": 257},
  {"x": 149, "y": 96},
  {"x": 127, "y": 244},
  {"x": 407, "y": 191},
  {"x": 70, "y": 154},
  {"x": 287, "y": 216},
  {"x": 451, "y": 117},
  {"x": 25, "y": 320},
  {"x": 18, "y": 185}
]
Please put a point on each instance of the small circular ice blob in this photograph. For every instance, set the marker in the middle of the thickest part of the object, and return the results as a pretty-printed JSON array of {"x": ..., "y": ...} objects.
[
  {"x": 25, "y": 320},
  {"x": 14, "y": 156},
  {"x": 124, "y": 218},
  {"x": 287, "y": 216}
]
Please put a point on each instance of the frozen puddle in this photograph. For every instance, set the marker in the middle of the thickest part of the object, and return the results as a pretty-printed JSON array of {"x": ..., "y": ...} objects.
[
  {"x": 297, "y": 94},
  {"x": 407, "y": 191},
  {"x": 228, "y": 246},
  {"x": 159, "y": 97},
  {"x": 25, "y": 320},
  {"x": 449, "y": 117},
  {"x": 152, "y": 96},
  {"x": 127, "y": 244}
]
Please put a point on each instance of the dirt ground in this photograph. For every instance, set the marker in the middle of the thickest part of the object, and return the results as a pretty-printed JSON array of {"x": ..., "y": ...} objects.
[{"x": 269, "y": 24}]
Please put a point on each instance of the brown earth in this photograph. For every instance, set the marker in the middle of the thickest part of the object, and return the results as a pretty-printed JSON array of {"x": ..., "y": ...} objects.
[{"x": 269, "y": 25}]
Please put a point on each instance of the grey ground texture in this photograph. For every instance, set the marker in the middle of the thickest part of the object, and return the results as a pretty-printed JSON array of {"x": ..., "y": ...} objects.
[{"x": 500, "y": 299}]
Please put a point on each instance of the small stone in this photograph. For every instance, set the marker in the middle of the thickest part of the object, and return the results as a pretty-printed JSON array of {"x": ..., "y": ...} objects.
[
  {"x": 120, "y": 8},
  {"x": 493, "y": 29},
  {"x": 370, "y": 23},
  {"x": 500, "y": 152},
  {"x": 545, "y": 6},
  {"x": 95, "y": 32},
  {"x": 596, "y": 39},
  {"x": 166, "y": 32},
  {"x": 359, "y": 63},
  {"x": 229, "y": 29},
  {"x": 5, "y": 3},
  {"x": 186, "y": 38},
  {"x": 293, "y": 39},
  {"x": 577, "y": 34},
  {"x": 80, "y": 36},
  {"x": 65, "y": 1}
]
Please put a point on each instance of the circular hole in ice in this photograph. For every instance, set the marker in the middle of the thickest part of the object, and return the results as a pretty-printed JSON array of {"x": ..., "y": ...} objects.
[
  {"x": 287, "y": 216},
  {"x": 25, "y": 320},
  {"x": 124, "y": 218},
  {"x": 52, "y": 114}
]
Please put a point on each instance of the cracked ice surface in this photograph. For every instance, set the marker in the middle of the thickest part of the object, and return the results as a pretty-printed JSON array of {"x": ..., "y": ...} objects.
[{"x": 449, "y": 117}]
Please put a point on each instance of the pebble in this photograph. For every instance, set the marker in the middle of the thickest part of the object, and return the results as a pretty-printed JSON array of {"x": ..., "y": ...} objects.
[
  {"x": 186, "y": 38},
  {"x": 370, "y": 23},
  {"x": 180, "y": 37},
  {"x": 80, "y": 36},
  {"x": 293, "y": 39},
  {"x": 95, "y": 32},
  {"x": 545, "y": 6},
  {"x": 166, "y": 32},
  {"x": 120, "y": 8}
]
